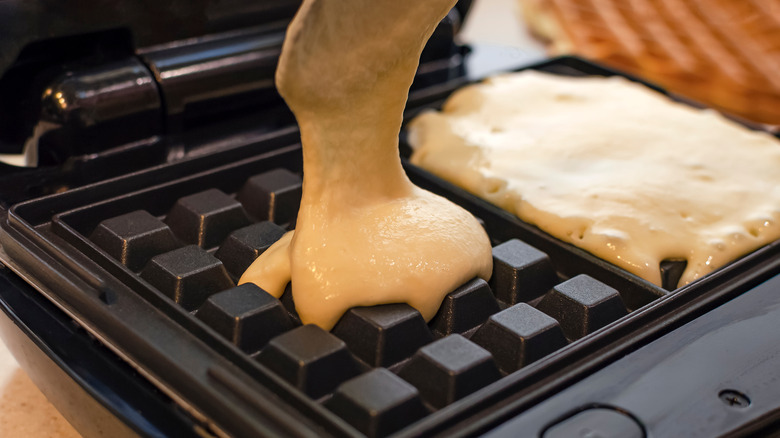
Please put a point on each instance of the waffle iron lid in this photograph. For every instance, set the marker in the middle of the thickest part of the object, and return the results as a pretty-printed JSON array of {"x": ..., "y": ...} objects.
[
  {"x": 23, "y": 23},
  {"x": 148, "y": 22}
]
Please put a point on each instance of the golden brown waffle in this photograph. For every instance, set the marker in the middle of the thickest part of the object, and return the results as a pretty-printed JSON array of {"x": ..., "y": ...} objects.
[{"x": 725, "y": 53}]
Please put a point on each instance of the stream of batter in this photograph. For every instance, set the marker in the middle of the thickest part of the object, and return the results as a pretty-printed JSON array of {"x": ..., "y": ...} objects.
[{"x": 365, "y": 235}]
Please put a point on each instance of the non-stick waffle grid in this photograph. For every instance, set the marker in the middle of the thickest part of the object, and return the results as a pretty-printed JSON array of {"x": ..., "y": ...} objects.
[{"x": 381, "y": 367}]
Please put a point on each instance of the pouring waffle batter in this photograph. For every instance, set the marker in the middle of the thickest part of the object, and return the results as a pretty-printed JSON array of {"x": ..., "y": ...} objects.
[
  {"x": 610, "y": 166},
  {"x": 365, "y": 235}
]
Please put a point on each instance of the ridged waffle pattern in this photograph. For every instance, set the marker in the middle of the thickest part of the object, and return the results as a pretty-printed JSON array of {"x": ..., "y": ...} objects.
[
  {"x": 724, "y": 53},
  {"x": 382, "y": 367}
]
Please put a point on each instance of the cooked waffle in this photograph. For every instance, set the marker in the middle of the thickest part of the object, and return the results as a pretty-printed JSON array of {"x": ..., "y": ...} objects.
[{"x": 724, "y": 53}]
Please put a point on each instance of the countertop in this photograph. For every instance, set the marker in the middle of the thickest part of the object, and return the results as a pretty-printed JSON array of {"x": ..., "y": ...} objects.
[
  {"x": 494, "y": 24},
  {"x": 24, "y": 411}
]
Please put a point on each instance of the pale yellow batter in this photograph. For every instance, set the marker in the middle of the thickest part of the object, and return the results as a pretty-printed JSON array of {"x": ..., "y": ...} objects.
[
  {"x": 611, "y": 167},
  {"x": 365, "y": 234}
]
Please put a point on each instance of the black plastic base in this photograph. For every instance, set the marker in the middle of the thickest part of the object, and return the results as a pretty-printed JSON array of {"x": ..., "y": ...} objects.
[
  {"x": 96, "y": 391},
  {"x": 718, "y": 375}
]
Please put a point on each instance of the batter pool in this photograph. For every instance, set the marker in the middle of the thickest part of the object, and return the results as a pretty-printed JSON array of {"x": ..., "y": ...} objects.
[{"x": 611, "y": 167}]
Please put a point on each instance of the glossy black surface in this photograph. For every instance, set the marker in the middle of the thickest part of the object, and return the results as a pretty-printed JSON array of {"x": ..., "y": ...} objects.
[
  {"x": 213, "y": 78},
  {"x": 93, "y": 389},
  {"x": 71, "y": 94},
  {"x": 151, "y": 22},
  {"x": 84, "y": 109},
  {"x": 674, "y": 386},
  {"x": 596, "y": 422}
]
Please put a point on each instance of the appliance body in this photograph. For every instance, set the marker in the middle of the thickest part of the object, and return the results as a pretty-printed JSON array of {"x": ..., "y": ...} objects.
[{"x": 133, "y": 109}]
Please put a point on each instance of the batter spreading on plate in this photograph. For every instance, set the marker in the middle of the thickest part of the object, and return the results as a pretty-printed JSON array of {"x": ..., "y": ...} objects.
[
  {"x": 365, "y": 235},
  {"x": 610, "y": 166}
]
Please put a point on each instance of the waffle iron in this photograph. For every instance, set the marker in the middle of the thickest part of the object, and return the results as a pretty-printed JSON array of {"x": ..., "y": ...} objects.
[{"x": 165, "y": 162}]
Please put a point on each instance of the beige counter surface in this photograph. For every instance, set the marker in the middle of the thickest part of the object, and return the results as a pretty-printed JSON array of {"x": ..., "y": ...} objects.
[{"x": 24, "y": 410}]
